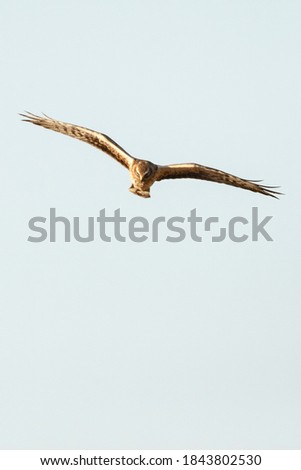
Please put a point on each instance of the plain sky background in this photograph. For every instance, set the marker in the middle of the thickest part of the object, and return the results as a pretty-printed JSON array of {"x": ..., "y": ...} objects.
[{"x": 150, "y": 345}]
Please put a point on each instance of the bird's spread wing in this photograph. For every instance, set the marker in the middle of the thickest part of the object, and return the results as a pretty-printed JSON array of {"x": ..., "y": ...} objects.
[
  {"x": 101, "y": 141},
  {"x": 193, "y": 170}
]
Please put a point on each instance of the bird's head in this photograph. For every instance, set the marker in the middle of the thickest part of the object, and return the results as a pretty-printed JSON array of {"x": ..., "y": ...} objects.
[{"x": 143, "y": 170}]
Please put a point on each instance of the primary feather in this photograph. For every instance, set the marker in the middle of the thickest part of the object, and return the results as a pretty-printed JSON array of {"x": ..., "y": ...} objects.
[
  {"x": 97, "y": 139},
  {"x": 196, "y": 171}
]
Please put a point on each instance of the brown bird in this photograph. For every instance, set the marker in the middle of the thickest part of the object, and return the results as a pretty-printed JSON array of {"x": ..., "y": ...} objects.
[{"x": 142, "y": 172}]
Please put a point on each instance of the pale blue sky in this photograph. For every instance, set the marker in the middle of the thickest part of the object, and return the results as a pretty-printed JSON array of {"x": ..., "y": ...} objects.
[{"x": 151, "y": 345}]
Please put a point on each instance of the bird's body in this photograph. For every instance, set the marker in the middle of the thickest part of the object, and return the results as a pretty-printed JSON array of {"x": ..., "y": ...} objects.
[
  {"x": 144, "y": 173},
  {"x": 143, "y": 176}
]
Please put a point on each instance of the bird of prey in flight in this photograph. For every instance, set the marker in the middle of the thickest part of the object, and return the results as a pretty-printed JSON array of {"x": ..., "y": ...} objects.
[{"x": 142, "y": 172}]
